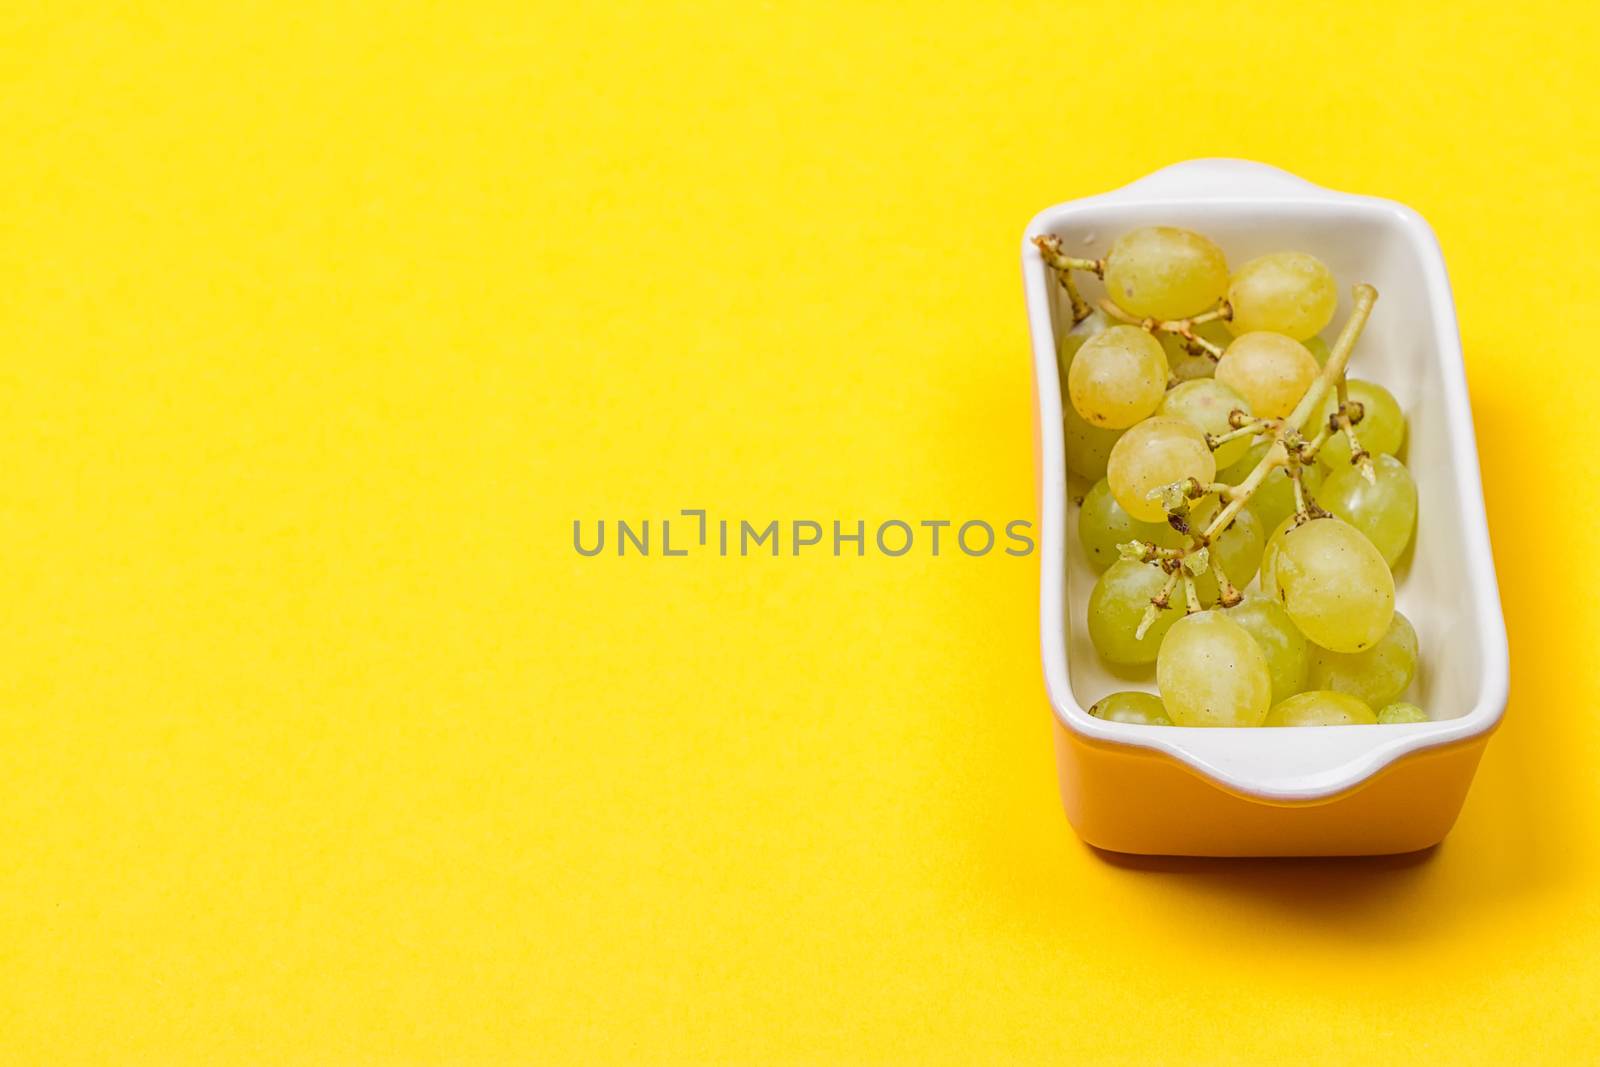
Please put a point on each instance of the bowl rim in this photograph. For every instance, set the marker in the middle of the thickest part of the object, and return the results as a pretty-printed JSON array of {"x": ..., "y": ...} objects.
[{"x": 1352, "y": 754}]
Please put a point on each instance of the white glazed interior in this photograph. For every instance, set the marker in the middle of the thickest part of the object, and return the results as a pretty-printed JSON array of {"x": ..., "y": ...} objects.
[{"x": 1411, "y": 345}]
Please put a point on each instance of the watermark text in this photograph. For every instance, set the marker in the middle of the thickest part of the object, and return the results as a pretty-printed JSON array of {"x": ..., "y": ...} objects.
[{"x": 694, "y": 532}]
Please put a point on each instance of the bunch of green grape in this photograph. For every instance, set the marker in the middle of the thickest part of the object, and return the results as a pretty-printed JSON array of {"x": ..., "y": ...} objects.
[{"x": 1156, "y": 402}]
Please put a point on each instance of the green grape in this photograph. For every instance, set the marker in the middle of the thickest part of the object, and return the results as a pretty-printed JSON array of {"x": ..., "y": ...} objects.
[
  {"x": 1212, "y": 673},
  {"x": 1207, "y": 403},
  {"x": 1269, "y": 554},
  {"x": 1194, "y": 369},
  {"x": 1117, "y": 605},
  {"x": 1286, "y": 648},
  {"x": 1318, "y": 348},
  {"x": 1386, "y": 511},
  {"x": 1273, "y": 500},
  {"x": 1239, "y": 547},
  {"x": 1172, "y": 345},
  {"x": 1394, "y": 714},
  {"x": 1376, "y": 675},
  {"x": 1157, "y": 452},
  {"x": 1142, "y": 709},
  {"x": 1269, "y": 370},
  {"x": 1320, "y": 707},
  {"x": 1163, "y": 272},
  {"x": 1382, "y": 429},
  {"x": 1103, "y": 524},
  {"x": 1216, "y": 331},
  {"x": 1291, "y": 293},
  {"x": 1074, "y": 338},
  {"x": 1117, "y": 377},
  {"x": 1087, "y": 447},
  {"x": 1334, "y": 584}
]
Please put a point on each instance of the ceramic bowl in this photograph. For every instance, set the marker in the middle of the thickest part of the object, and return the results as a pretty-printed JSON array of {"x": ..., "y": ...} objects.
[{"x": 1282, "y": 791}]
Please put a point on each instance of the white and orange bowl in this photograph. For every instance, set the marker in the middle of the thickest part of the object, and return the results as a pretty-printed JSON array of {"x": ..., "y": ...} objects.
[{"x": 1294, "y": 791}]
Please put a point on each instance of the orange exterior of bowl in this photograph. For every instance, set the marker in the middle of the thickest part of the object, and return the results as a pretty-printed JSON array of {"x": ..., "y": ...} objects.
[{"x": 1135, "y": 800}]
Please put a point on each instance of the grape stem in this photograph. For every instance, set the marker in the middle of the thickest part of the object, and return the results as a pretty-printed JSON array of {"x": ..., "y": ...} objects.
[
  {"x": 1184, "y": 328},
  {"x": 1309, "y": 449},
  {"x": 1227, "y": 594},
  {"x": 1147, "y": 552},
  {"x": 1305, "y": 507},
  {"x": 1288, "y": 448},
  {"x": 1190, "y": 596},
  {"x": 1158, "y": 603},
  {"x": 1080, "y": 306},
  {"x": 1338, "y": 359},
  {"x": 1223, "y": 311},
  {"x": 1345, "y": 419},
  {"x": 1241, "y": 428},
  {"x": 1049, "y": 247},
  {"x": 1278, "y": 454}
]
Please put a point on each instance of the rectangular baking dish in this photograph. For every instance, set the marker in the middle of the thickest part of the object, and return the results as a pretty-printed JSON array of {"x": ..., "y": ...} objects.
[{"x": 1298, "y": 791}]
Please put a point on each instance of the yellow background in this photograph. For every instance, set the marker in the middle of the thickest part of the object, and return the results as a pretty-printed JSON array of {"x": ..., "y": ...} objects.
[{"x": 318, "y": 742}]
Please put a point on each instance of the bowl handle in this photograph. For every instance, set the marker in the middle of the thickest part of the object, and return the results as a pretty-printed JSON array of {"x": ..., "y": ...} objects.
[
  {"x": 1307, "y": 763},
  {"x": 1221, "y": 179}
]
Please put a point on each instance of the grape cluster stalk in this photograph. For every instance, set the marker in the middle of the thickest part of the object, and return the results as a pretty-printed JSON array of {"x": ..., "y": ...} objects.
[
  {"x": 1289, "y": 447},
  {"x": 1194, "y": 392}
]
